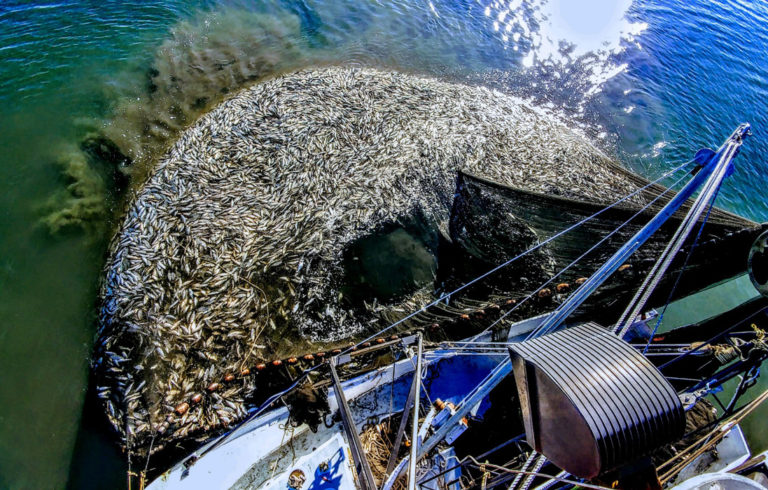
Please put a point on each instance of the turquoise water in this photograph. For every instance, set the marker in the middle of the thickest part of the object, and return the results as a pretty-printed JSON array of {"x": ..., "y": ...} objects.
[
  {"x": 708, "y": 303},
  {"x": 87, "y": 86}
]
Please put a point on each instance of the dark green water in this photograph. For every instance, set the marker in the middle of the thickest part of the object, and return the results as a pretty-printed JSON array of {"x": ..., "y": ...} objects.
[
  {"x": 644, "y": 79},
  {"x": 57, "y": 61}
]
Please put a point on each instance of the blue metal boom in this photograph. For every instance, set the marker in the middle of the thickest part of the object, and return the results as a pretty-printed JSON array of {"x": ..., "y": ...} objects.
[
  {"x": 715, "y": 165},
  {"x": 711, "y": 164}
]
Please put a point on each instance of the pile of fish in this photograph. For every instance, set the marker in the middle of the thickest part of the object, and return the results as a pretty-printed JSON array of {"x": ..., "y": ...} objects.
[{"x": 230, "y": 254}]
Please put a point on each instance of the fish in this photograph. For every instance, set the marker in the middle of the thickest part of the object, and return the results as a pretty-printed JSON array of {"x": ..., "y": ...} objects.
[{"x": 232, "y": 250}]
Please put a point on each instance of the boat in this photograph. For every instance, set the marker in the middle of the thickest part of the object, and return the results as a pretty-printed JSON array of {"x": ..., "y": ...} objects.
[{"x": 562, "y": 398}]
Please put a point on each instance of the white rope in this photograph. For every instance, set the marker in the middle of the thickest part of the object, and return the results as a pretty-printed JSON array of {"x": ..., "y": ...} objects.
[
  {"x": 536, "y": 469},
  {"x": 526, "y": 465},
  {"x": 543, "y": 475}
]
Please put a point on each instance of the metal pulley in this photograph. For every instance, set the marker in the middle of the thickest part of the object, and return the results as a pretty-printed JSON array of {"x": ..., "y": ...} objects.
[{"x": 591, "y": 402}]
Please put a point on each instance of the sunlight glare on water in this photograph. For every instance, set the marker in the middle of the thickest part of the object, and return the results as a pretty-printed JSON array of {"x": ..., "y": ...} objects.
[{"x": 560, "y": 31}]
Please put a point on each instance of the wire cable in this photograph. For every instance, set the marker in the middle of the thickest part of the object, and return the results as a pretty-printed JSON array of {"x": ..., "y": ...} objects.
[
  {"x": 579, "y": 258},
  {"x": 680, "y": 274},
  {"x": 522, "y": 254},
  {"x": 543, "y": 475},
  {"x": 255, "y": 413}
]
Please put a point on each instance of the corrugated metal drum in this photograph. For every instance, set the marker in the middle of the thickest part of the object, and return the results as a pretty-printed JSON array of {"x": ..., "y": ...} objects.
[{"x": 591, "y": 402}]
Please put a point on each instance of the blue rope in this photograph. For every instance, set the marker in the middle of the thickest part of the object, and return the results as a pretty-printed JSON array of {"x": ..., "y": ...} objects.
[{"x": 682, "y": 269}]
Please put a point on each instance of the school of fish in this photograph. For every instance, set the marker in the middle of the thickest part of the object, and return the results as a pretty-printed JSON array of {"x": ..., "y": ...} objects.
[{"x": 230, "y": 254}]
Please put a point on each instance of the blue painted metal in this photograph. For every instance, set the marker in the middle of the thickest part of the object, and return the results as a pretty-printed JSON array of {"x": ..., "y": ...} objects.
[
  {"x": 705, "y": 158},
  {"x": 473, "y": 398},
  {"x": 704, "y": 172}
]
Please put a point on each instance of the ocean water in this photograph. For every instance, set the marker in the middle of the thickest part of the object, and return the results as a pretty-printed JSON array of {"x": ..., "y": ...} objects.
[{"x": 93, "y": 92}]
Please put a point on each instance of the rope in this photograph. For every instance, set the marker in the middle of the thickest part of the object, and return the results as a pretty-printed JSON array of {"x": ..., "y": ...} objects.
[
  {"x": 543, "y": 475},
  {"x": 575, "y": 261},
  {"x": 708, "y": 342},
  {"x": 461, "y": 462},
  {"x": 550, "y": 483},
  {"x": 531, "y": 458},
  {"x": 707, "y": 196},
  {"x": 536, "y": 469},
  {"x": 522, "y": 254},
  {"x": 486, "y": 274},
  {"x": 708, "y": 440},
  {"x": 759, "y": 333},
  {"x": 422, "y": 375},
  {"x": 677, "y": 280},
  {"x": 131, "y": 474},
  {"x": 727, "y": 353},
  {"x": 445, "y": 296},
  {"x": 149, "y": 454}
]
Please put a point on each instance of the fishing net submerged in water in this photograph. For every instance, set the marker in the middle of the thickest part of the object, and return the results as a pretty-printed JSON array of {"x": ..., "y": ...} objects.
[
  {"x": 232, "y": 254},
  {"x": 491, "y": 223}
]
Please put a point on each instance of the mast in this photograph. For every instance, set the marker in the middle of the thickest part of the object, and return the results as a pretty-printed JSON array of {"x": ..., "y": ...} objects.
[
  {"x": 363, "y": 469},
  {"x": 415, "y": 429}
]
